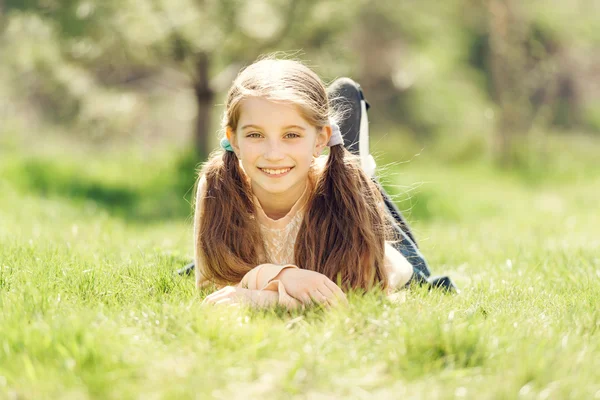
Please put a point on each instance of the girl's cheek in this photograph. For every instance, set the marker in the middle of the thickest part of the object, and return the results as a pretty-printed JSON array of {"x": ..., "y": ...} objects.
[{"x": 249, "y": 150}]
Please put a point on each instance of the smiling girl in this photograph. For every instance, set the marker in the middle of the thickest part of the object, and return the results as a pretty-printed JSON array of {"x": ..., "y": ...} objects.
[{"x": 278, "y": 223}]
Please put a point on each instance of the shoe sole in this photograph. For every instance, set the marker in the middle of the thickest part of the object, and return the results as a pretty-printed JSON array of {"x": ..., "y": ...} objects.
[{"x": 354, "y": 128}]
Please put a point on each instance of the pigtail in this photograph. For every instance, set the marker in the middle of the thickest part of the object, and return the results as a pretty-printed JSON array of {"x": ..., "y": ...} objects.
[
  {"x": 228, "y": 234},
  {"x": 343, "y": 233}
]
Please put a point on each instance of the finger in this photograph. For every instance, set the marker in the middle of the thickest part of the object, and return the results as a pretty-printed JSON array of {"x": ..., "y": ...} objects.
[
  {"x": 215, "y": 297},
  {"x": 224, "y": 301},
  {"x": 327, "y": 301},
  {"x": 214, "y": 294},
  {"x": 334, "y": 288},
  {"x": 339, "y": 293},
  {"x": 325, "y": 291},
  {"x": 219, "y": 293},
  {"x": 318, "y": 297},
  {"x": 305, "y": 299},
  {"x": 212, "y": 300}
]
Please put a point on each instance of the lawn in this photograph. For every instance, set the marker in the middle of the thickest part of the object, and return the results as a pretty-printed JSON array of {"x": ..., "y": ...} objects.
[{"x": 90, "y": 306}]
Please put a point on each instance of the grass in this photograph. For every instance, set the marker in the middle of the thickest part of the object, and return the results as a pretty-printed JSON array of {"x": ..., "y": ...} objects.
[{"x": 90, "y": 307}]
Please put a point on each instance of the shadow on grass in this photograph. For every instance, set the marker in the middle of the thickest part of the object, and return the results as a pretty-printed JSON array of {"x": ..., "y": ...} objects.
[{"x": 134, "y": 194}]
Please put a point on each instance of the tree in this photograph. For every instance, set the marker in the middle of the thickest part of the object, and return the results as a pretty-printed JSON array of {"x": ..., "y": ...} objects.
[
  {"x": 523, "y": 68},
  {"x": 121, "y": 41}
]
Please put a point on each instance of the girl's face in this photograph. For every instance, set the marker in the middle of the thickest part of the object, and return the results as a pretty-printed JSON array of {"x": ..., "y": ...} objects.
[{"x": 276, "y": 146}]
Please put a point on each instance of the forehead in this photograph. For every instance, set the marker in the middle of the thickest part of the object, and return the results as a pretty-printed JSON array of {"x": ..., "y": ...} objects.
[{"x": 265, "y": 113}]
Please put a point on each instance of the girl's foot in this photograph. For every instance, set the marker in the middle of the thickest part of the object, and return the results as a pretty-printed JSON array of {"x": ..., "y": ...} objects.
[{"x": 347, "y": 97}]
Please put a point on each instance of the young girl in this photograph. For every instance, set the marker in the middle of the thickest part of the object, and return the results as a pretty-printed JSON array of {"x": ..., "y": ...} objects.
[{"x": 276, "y": 222}]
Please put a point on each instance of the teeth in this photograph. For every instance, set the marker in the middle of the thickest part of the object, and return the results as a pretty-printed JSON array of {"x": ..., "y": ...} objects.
[{"x": 275, "y": 171}]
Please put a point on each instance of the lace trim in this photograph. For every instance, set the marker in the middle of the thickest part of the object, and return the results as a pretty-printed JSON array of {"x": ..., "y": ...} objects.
[{"x": 279, "y": 242}]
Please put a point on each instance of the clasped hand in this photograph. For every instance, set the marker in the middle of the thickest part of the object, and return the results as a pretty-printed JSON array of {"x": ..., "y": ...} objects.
[
  {"x": 305, "y": 286},
  {"x": 311, "y": 286}
]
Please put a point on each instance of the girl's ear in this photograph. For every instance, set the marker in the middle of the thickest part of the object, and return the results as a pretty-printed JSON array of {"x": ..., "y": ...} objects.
[
  {"x": 232, "y": 137},
  {"x": 323, "y": 136}
]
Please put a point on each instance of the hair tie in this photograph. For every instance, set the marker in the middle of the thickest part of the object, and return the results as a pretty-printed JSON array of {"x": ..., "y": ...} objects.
[
  {"x": 336, "y": 134},
  {"x": 336, "y": 138},
  {"x": 225, "y": 145}
]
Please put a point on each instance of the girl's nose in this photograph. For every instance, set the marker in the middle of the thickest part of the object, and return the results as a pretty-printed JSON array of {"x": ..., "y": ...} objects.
[{"x": 274, "y": 151}]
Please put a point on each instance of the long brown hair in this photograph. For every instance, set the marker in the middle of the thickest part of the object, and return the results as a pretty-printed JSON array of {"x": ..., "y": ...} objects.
[{"x": 345, "y": 226}]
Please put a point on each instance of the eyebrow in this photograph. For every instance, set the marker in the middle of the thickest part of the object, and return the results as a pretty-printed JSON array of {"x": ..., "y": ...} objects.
[{"x": 285, "y": 127}]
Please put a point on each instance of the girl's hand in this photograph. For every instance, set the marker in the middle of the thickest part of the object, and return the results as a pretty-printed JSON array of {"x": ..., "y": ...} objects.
[
  {"x": 229, "y": 295},
  {"x": 310, "y": 286},
  {"x": 233, "y": 295}
]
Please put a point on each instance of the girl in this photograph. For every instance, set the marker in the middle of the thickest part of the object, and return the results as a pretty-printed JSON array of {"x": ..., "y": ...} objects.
[{"x": 276, "y": 222}]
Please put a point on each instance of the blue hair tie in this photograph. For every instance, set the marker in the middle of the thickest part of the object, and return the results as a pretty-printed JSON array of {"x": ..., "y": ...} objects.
[{"x": 225, "y": 145}]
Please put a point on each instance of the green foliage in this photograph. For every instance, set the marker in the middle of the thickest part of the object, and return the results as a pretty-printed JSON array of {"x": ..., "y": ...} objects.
[
  {"x": 167, "y": 193},
  {"x": 99, "y": 68},
  {"x": 592, "y": 116}
]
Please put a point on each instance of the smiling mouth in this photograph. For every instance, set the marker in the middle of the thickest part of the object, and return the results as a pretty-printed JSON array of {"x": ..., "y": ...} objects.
[{"x": 276, "y": 172}]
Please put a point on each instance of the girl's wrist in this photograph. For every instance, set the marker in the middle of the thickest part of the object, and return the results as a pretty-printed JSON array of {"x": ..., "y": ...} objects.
[{"x": 284, "y": 271}]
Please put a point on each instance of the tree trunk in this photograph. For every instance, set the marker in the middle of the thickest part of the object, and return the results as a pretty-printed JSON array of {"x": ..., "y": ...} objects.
[
  {"x": 507, "y": 63},
  {"x": 204, "y": 98}
]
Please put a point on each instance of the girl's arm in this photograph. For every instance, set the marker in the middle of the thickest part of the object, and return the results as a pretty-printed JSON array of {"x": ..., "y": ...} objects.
[
  {"x": 303, "y": 286},
  {"x": 231, "y": 295},
  {"x": 201, "y": 280},
  {"x": 294, "y": 290},
  {"x": 259, "y": 288},
  {"x": 265, "y": 278},
  {"x": 264, "y": 286}
]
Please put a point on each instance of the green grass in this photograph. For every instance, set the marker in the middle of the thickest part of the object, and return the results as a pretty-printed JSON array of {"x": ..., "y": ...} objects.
[{"x": 90, "y": 307}]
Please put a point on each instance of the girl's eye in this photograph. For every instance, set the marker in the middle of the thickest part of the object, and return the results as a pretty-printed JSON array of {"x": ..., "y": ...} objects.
[{"x": 289, "y": 135}]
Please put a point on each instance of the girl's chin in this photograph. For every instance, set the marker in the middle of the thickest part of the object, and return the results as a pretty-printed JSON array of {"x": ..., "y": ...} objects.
[{"x": 274, "y": 187}]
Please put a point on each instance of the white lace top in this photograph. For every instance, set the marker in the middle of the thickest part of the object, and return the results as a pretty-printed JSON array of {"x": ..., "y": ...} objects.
[{"x": 279, "y": 236}]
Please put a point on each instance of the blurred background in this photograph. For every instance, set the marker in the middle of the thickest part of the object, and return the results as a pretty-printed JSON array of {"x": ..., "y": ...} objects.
[{"x": 118, "y": 101}]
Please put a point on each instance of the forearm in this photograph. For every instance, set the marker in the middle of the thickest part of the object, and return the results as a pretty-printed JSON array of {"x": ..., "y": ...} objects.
[
  {"x": 264, "y": 277},
  {"x": 265, "y": 288},
  {"x": 269, "y": 298}
]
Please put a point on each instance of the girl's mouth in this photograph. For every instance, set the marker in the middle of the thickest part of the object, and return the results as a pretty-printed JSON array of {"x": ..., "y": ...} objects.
[{"x": 276, "y": 173}]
